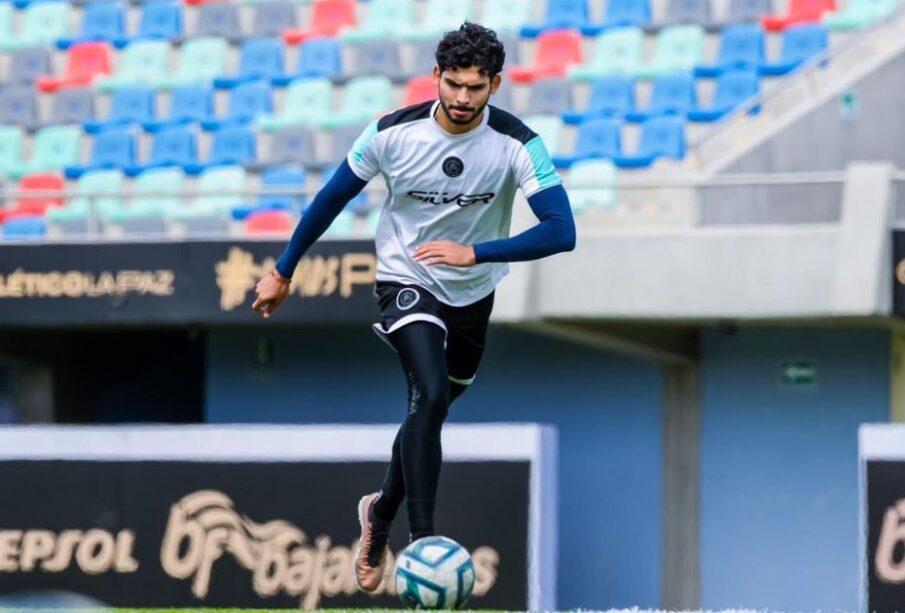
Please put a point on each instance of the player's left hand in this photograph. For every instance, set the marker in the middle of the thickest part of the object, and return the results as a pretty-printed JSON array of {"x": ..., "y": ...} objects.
[{"x": 445, "y": 252}]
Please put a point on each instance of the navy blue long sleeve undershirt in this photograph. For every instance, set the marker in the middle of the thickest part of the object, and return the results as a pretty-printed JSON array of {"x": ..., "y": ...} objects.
[{"x": 554, "y": 233}]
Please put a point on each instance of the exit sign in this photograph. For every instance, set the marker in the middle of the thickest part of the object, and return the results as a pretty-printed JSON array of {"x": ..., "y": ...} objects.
[{"x": 798, "y": 374}]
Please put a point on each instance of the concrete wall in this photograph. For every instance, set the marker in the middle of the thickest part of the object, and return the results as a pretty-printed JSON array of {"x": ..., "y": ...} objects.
[
  {"x": 779, "y": 497},
  {"x": 607, "y": 410}
]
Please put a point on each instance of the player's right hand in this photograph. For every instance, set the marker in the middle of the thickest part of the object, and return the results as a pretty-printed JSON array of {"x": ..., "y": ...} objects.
[{"x": 272, "y": 291}]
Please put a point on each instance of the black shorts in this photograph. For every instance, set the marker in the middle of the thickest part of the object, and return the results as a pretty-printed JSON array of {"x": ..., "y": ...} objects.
[{"x": 465, "y": 327}]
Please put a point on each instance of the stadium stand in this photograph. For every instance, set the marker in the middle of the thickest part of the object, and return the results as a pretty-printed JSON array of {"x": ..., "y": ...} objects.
[
  {"x": 800, "y": 11},
  {"x": 328, "y": 19}
]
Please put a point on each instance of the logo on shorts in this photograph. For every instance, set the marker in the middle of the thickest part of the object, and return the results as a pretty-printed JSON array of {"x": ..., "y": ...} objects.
[
  {"x": 407, "y": 298},
  {"x": 453, "y": 166}
]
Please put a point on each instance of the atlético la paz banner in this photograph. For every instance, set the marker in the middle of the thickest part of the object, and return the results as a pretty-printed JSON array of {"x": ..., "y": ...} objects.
[
  {"x": 257, "y": 517},
  {"x": 179, "y": 282}
]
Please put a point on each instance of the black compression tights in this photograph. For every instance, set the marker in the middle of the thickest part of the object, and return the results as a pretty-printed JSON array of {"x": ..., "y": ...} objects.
[{"x": 415, "y": 464}]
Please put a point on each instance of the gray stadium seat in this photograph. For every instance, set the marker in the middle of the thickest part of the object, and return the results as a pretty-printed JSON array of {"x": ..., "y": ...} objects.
[
  {"x": 379, "y": 57},
  {"x": 206, "y": 224},
  {"x": 290, "y": 146},
  {"x": 219, "y": 19},
  {"x": 150, "y": 226},
  {"x": 26, "y": 65},
  {"x": 425, "y": 60},
  {"x": 503, "y": 98},
  {"x": 687, "y": 11},
  {"x": 72, "y": 106},
  {"x": 513, "y": 50},
  {"x": 19, "y": 106},
  {"x": 741, "y": 11},
  {"x": 341, "y": 140},
  {"x": 271, "y": 18},
  {"x": 549, "y": 96}
]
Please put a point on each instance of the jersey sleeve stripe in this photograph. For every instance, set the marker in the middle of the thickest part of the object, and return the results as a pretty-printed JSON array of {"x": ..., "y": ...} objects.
[
  {"x": 361, "y": 143},
  {"x": 543, "y": 166}
]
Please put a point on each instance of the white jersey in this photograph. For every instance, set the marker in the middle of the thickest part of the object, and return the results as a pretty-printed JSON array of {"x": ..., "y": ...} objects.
[{"x": 446, "y": 186}]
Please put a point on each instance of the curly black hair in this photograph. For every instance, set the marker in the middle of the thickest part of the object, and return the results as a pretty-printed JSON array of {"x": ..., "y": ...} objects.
[{"x": 471, "y": 45}]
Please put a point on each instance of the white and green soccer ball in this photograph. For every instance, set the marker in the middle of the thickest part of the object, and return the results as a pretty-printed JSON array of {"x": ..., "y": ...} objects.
[{"x": 434, "y": 572}]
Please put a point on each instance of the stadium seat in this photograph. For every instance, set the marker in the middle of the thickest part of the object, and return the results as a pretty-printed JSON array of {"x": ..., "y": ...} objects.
[
  {"x": 547, "y": 96},
  {"x": 26, "y": 65},
  {"x": 20, "y": 228},
  {"x": 328, "y": 19},
  {"x": 611, "y": 96},
  {"x": 662, "y": 136},
  {"x": 741, "y": 47},
  {"x": 306, "y": 102},
  {"x": 219, "y": 190},
  {"x": 158, "y": 190},
  {"x": 679, "y": 49},
  {"x": 860, "y": 14},
  {"x": 175, "y": 146},
  {"x": 272, "y": 18},
  {"x": 597, "y": 138},
  {"x": 420, "y": 89},
  {"x": 378, "y": 57},
  {"x": 673, "y": 94},
  {"x": 365, "y": 98},
  {"x": 200, "y": 61},
  {"x": 128, "y": 105},
  {"x": 188, "y": 104},
  {"x": 269, "y": 222},
  {"x": 108, "y": 180},
  {"x": 383, "y": 19},
  {"x": 232, "y": 145},
  {"x": 218, "y": 20},
  {"x": 19, "y": 106},
  {"x": 144, "y": 62},
  {"x": 799, "y": 44},
  {"x": 680, "y": 12},
  {"x": 261, "y": 58},
  {"x": 440, "y": 16},
  {"x": 799, "y": 12},
  {"x": 101, "y": 22},
  {"x": 7, "y": 16},
  {"x": 341, "y": 141},
  {"x": 502, "y": 99},
  {"x": 40, "y": 184},
  {"x": 11, "y": 139},
  {"x": 160, "y": 20},
  {"x": 622, "y": 14},
  {"x": 276, "y": 178},
  {"x": 748, "y": 11},
  {"x": 590, "y": 185},
  {"x": 290, "y": 146},
  {"x": 111, "y": 149},
  {"x": 506, "y": 17},
  {"x": 553, "y": 54},
  {"x": 206, "y": 224},
  {"x": 84, "y": 62},
  {"x": 549, "y": 128},
  {"x": 72, "y": 106},
  {"x": 247, "y": 101},
  {"x": 42, "y": 24},
  {"x": 732, "y": 89},
  {"x": 560, "y": 14},
  {"x": 318, "y": 57},
  {"x": 615, "y": 52},
  {"x": 53, "y": 148}
]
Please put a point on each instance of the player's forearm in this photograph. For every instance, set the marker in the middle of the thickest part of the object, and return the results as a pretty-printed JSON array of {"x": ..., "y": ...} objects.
[
  {"x": 553, "y": 234},
  {"x": 328, "y": 203}
]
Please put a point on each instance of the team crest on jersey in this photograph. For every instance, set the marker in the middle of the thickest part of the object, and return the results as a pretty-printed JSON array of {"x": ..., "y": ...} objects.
[
  {"x": 407, "y": 298},
  {"x": 453, "y": 166}
]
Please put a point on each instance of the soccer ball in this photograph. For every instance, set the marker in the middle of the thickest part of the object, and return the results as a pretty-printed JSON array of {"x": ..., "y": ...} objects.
[{"x": 434, "y": 572}]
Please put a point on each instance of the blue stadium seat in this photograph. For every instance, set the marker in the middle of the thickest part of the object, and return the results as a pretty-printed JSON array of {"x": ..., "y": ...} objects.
[
  {"x": 673, "y": 94},
  {"x": 24, "y": 228},
  {"x": 741, "y": 47},
  {"x": 561, "y": 14},
  {"x": 688, "y": 12},
  {"x": 597, "y": 138},
  {"x": 188, "y": 104},
  {"x": 161, "y": 20},
  {"x": 279, "y": 177},
  {"x": 262, "y": 58},
  {"x": 128, "y": 105},
  {"x": 232, "y": 145},
  {"x": 101, "y": 21},
  {"x": 548, "y": 96},
  {"x": 246, "y": 102},
  {"x": 799, "y": 44},
  {"x": 317, "y": 57},
  {"x": 611, "y": 96},
  {"x": 662, "y": 136},
  {"x": 111, "y": 149},
  {"x": 732, "y": 89},
  {"x": 172, "y": 146},
  {"x": 622, "y": 14}
]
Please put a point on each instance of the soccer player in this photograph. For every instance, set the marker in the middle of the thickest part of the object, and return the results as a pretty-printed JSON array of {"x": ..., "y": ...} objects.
[{"x": 452, "y": 167}]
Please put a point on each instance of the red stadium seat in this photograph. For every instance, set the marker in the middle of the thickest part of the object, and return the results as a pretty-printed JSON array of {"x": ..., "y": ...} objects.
[
  {"x": 420, "y": 89},
  {"x": 197, "y": 2},
  {"x": 554, "y": 52},
  {"x": 269, "y": 222},
  {"x": 83, "y": 62},
  {"x": 800, "y": 11},
  {"x": 328, "y": 17},
  {"x": 27, "y": 206}
]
